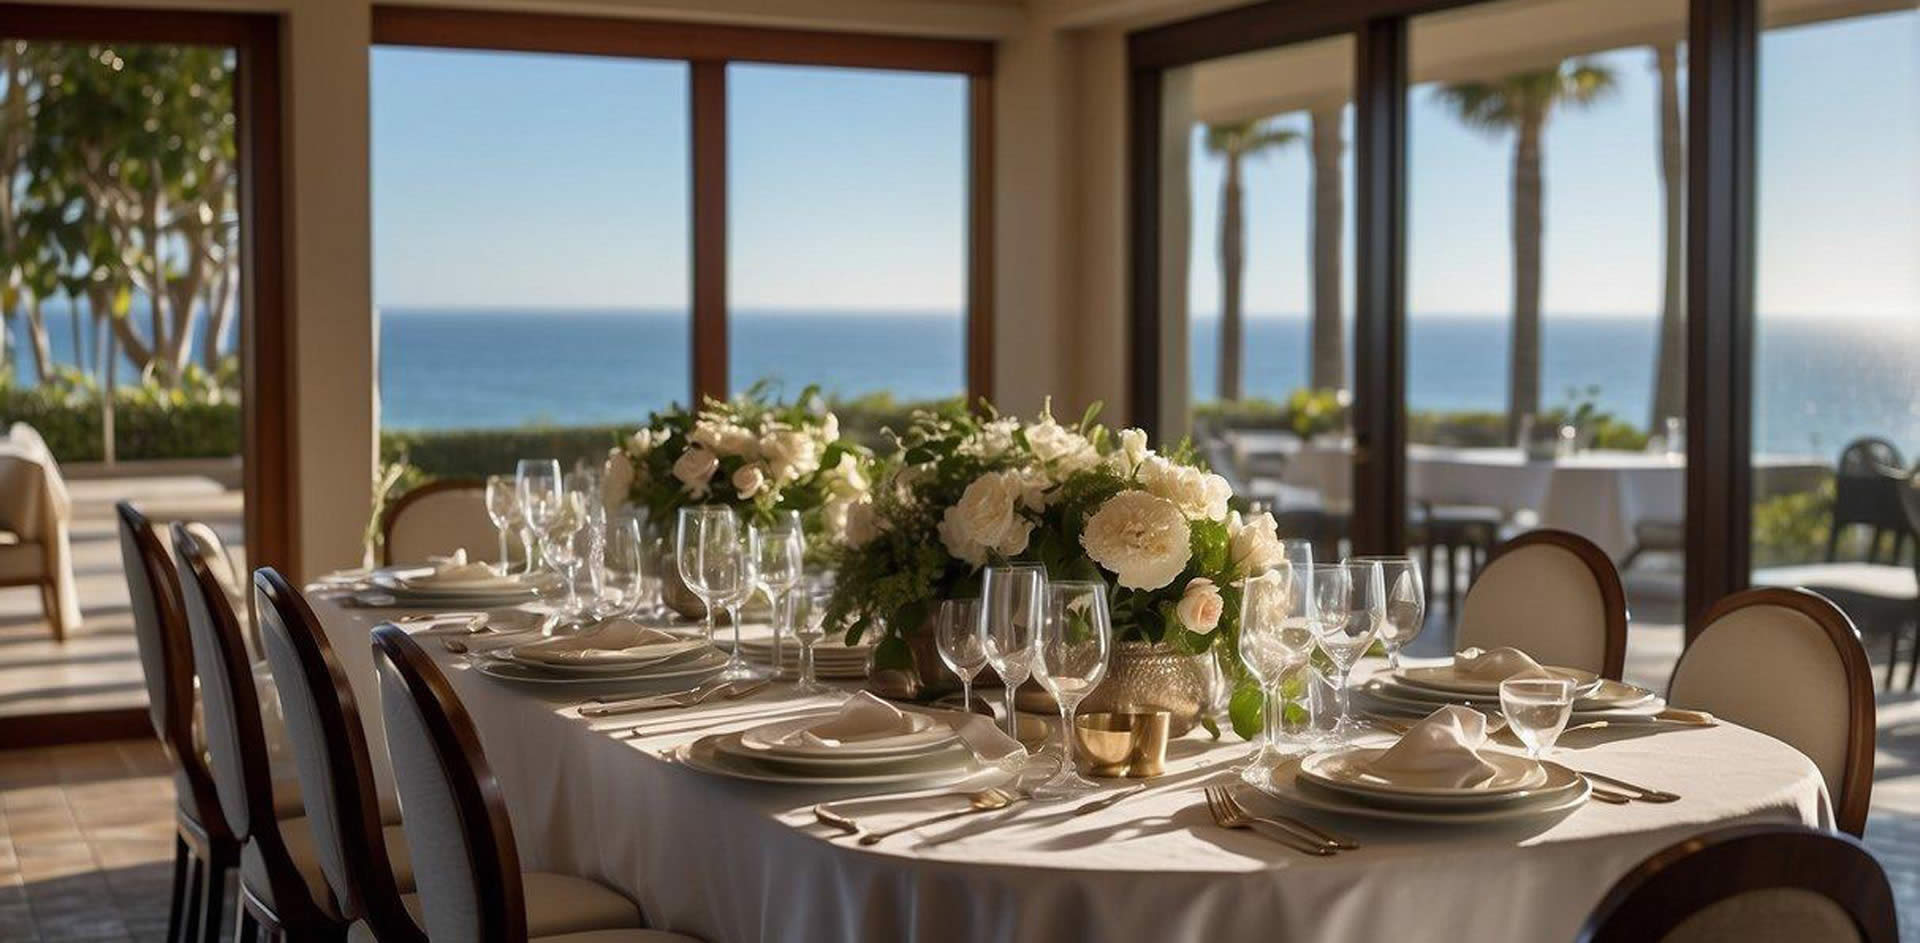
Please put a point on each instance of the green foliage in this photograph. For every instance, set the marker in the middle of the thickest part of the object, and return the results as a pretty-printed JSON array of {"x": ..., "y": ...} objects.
[
  {"x": 200, "y": 418},
  {"x": 1792, "y": 528},
  {"x": 476, "y": 453},
  {"x": 1466, "y": 429}
]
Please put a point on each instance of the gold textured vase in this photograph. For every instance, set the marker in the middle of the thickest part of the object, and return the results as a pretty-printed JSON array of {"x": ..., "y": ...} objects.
[{"x": 1151, "y": 676}]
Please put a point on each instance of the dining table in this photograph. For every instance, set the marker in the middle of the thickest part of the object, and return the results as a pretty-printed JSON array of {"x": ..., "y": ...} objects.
[{"x": 730, "y": 860}]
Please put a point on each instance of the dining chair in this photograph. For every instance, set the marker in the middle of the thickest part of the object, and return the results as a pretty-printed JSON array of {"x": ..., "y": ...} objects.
[
  {"x": 1788, "y": 663},
  {"x": 204, "y": 848},
  {"x": 1866, "y": 483},
  {"x": 468, "y": 866},
  {"x": 228, "y": 573},
  {"x": 283, "y": 893},
  {"x": 36, "y": 514},
  {"x": 1753, "y": 883},
  {"x": 1910, "y": 506},
  {"x": 1554, "y": 595},
  {"x": 437, "y": 517}
]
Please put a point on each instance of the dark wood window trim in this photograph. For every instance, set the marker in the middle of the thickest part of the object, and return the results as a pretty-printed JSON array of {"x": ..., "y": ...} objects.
[
  {"x": 708, "y": 49},
  {"x": 268, "y": 405},
  {"x": 1380, "y": 306}
]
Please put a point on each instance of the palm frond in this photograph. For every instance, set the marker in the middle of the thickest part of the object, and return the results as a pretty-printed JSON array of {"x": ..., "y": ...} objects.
[{"x": 1247, "y": 138}]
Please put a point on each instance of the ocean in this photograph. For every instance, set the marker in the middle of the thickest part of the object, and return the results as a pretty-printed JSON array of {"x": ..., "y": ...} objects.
[{"x": 1821, "y": 382}]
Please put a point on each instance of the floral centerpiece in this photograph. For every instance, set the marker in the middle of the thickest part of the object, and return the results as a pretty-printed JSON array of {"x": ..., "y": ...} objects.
[{"x": 1086, "y": 502}]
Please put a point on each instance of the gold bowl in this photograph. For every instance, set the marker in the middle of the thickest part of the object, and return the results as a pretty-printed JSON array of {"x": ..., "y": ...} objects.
[{"x": 1132, "y": 744}]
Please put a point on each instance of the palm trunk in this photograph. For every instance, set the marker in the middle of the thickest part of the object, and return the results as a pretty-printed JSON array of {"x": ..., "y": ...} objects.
[
  {"x": 37, "y": 330},
  {"x": 1670, "y": 360},
  {"x": 1523, "y": 375},
  {"x": 1232, "y": 263},
  {"x": 1329, "y": 365}
]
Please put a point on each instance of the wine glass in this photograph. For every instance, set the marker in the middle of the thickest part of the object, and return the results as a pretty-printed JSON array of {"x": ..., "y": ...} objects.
[
  {"x": 957, "y": 635},
  {"x": 1537, "y": 710},
  {"x": 1276, "y": 640},
  {"x": 1348, "y": 607},
  {"x": 585, "y": 482},
  {"x": 779, "y": 553},
  {"x": 809, "y": 628},
  {"x": 1076, "y": 636},
  {"x": 716, "y": 567},
  {"x": 1406, "y": 602},
  {"x": 536, "y": 483},
  {"x": 627, "y": 563},
  {"x": 561, "y": 544},
  {"x": 503, "y": 509},
  {"x": 1010, "y": 612}
]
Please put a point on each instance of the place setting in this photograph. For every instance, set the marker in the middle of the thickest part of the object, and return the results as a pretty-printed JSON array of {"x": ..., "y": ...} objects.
[{"x": 1482, "y": 679}]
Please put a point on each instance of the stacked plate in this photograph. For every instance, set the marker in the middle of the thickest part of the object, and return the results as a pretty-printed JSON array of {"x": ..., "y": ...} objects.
[
  {"x": 665, "y": 664},
  {"x": 928, "y": 753},
  {"x": 1341, "y": 781},
  {"x": 832, "y": 657},
  {"x": 1417, "y": 691},
  {"x": 418, "y": 587}
]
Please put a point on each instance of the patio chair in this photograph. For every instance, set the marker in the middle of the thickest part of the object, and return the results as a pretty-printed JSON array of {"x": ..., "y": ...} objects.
[
  {"x": 35, "y": 522},
  {"x": 1866, "y": 494},
  {"x": 438, "y": 518}
]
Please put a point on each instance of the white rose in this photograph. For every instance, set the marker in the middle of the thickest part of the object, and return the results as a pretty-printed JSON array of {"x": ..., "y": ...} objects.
[
  {"x": 617, "y": 479},
  {"x": 862, "y": 525},
  {"x": 987, "y": 514},
  {"x": 694, "y": 468},
  {"x": 846, "y": 481},
  {"x": 1200, "y": 495},
  {"x": 642, "y": 442},
  {"x": 1200, "y": 606},
  {"x": 1061, "y": 449},
  {"x": 953, "y": 536},
  {"x": 1131, "y": 452},
  {"x": 1034, "y": 489},
  {"x": 1142, "y": 538},
  {"x": 993, "y": 440},
  {"x": 723, "y": 437},
  {"x": 749, "y": 479},
  {"x": 789, "y": 454},
  {"x": 830, "y": 428},
  {"x": 1254, "y": 543}
]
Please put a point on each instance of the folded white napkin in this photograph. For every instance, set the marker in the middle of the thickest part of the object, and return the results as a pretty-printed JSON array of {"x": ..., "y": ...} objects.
[
  {"x": 1442, "y": 750},
  {"x": 1498, "y": 664},
  {"x": 862, "y": 719},
  {"x": 454, "y": 569},
  {"x": 615, "y": 642}
]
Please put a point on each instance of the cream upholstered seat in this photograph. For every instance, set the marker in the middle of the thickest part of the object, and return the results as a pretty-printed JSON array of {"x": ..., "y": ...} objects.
[
  {"x": 438, "y": 518},
  {"x": 35, "y": 518},
  {"x": 1788, "y": 663},
  {"x": 1554, "y": 595},
  {"x": 470, "y": 885}
]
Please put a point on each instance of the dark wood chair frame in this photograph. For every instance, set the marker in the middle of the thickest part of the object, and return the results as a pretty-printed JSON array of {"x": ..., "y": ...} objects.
[
  {"x": 299, "y": 918},
  {"x": 1865, "y": 495},
  {"x": 481, "y": 807},
  {"x": 205, "y": 849},
  {"x": 1910, "y": 505},
  {"x": 1856, "y": 781},
  {"x": 399, "y": 506},
  {"x": 373, "y": 893},
  {"x": 1679, "y": 881},
  {"x": 1613, "y": 598}
]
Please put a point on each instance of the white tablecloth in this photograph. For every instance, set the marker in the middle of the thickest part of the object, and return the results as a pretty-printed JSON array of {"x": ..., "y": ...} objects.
[{"x": 729, "y": 861}]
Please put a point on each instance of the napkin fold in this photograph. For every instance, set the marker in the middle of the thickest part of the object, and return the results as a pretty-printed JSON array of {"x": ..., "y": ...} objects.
[
  {"x": 1442, "y": 750},
  {"x": 614, "y": 642},
  {"x": 863, "y": 719},
  {"x": 1498, "y": 664},
  {"x": 455, "y": 570}
]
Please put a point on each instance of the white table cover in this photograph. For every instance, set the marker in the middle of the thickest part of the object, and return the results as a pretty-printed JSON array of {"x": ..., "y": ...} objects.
[{"x": 727, "y": 860}]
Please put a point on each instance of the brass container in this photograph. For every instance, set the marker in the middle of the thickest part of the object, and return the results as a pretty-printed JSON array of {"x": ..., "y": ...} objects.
[
  {"x": 1148, "y": 676},
  {"x": 930, "y": 678},
  {"x": 1132, "y": 744}
]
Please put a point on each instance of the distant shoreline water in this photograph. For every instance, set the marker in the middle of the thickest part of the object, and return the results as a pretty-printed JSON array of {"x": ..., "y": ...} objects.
[{"x": 1820, "y": 382}]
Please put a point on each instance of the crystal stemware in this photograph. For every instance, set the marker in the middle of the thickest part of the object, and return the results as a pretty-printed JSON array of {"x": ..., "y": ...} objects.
[
  {"x": 1275, "y": 643},
  {"x": 1347, "y": 611},
  {"x": 503, "y": 509},
  {"x": 1010, "y": 613},
  {"x": 537, "y": 485},
  {"x": 809, "y": 628},
  {"x": 627, "y": 565},
  {"x": 956, "y": 630},
  {"x": 706, "y": 549},
  {"x": 779, "y": 556},
  {"x": 562, "y": 544},
  {"x": 1406, "y": 602},
  {"x": 1076, "y": 638},
  {"x": 1537, "y": 710}
]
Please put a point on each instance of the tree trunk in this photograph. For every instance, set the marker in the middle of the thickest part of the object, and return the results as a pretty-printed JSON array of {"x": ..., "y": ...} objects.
[
  {"x": 1523, "y": 372},
  {"x": 1670, "y": 359},
  {"x": 1329, "y": 365},
  {"x": 37, "y": 330},
  {"x": 1232, "y": 263}
]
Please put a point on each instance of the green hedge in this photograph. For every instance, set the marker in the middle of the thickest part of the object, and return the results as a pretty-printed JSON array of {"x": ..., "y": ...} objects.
[{"x": 144, "y": 427}]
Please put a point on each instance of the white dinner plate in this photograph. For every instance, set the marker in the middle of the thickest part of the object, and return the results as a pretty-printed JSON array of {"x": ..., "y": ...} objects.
[
  {"x": 925, "y": 734},
  {"x": 1446, "y": 678},
  {"x": 1565, "y": 790},
  {"x": 941, "y": 757},
  {"x": 664, "y": 652},
  {"x": 1389, "y": 698},
  {"x": 702, "y": 755},
  {"x": 1345, "y": 770},
  {"x": 507, "y": 670}
]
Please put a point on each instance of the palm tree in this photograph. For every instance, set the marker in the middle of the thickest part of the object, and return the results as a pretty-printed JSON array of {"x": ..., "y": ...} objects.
[
  {"x": 1234, "y": 142},
  {"x": 1328, "y": 368},
  {"x": 1670, "y": 363},
  {"x": 1521, "y": 103}
]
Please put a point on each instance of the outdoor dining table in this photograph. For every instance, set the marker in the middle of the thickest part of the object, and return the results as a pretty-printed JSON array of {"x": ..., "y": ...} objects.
[{"x": 727, "y": 860}]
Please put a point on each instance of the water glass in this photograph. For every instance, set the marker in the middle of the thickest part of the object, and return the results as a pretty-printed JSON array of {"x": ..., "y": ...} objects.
[
  {"x": 1537, "y": 710},
  {"x": 714, "y": 565},
  {"x": 1348, "y": 606},
  {"x": 503, "y": 509},
  {"x": 1010, "y": 613},
  {"x": 1275, "y": 643},
  {"x": 563, "y": 546},
  {"x": 1406, "y": 602},
  {"x": 1076, "y": 637},
  {"x": 810, "y": 628},
  {"x": 537, "y": 486},
  {"x": 627, "y": 564},
  {"x": 779, "y": 555},
  {"x": 956, "y": 633}
]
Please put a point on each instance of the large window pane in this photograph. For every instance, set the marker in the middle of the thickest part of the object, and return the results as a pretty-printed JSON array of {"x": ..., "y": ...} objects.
[
  {"x": 530, "y": 246},
  {"x": 1546, "y": 353},
  {"x": 847, "y": 240},
  {"x": 1259, "y": 171}
]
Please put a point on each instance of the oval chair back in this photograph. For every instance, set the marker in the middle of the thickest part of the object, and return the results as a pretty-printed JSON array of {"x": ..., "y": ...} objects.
[
  {"x": 1753, "y": 883},
  {"x": 330, "y": 754},
  {"x": 437, "y": 517},
  {"x": 1788, "y": 663},
  {"x": 466, "y": 865},
  {"x": 1551, "y": 594}
]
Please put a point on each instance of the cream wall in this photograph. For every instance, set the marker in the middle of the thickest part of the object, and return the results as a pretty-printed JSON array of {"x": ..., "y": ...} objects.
[{"x": 1059, "y": 242}]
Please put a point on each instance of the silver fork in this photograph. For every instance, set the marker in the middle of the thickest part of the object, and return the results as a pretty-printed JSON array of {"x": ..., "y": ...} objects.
[
  {"x": 1228, "y": 814},
  {"x": 1299, "y": 825},
  {"x": 986, "y": 800}
]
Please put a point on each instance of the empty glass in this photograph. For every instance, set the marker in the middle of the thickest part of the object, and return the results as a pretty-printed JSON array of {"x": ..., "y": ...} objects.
[
  {"x": 563, "y": 546},
  {"x": 1076, "y": 636},
  {"x": 627, "y": 564},
  {"x": 1010, "y": 613},
  {"x": 503, "y": 509},
  {"x": 1537, "y": 710},
  {"x": 779, "y": 555},
  {"x": 1348, "y": 606},
  {"x": 1406, "y": 602},
  {"x": 810, "y": 627},
  {"x": 585, "y": 482},
  {"x": 956, "y": 630},
  {"x": 714, "y": 566},
  {"x": 536, "y": 483},
  {"x": 1275, "y": 643}
]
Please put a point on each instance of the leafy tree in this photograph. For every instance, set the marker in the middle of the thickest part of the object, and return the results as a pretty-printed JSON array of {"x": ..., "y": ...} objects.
[{"x": 1234, "y": 142}]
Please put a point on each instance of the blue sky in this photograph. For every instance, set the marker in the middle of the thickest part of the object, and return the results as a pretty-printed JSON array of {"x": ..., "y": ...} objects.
[{"x": 513, "y": 180}]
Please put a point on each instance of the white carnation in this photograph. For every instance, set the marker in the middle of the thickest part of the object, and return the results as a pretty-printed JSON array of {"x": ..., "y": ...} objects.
[
  {"x": 1062, "y": 450},
  {"x": 694, "y": 469},
  {"x": 749, "y": 479},
  {"x": 1142, "y": 538},
  {"x": 1200, "y": 495},
  {"x": 642, "y": 442},
  {"x": 789, "y": 453},
  {"x": 1131, "y": 452},
  {"x": 993, "y": 440},
  {"x": 723, "y": 437},
  {"x": 860, "y": 524},
  {"x": 1254, "y": 543},
  {"x": 987, "y": 517}
]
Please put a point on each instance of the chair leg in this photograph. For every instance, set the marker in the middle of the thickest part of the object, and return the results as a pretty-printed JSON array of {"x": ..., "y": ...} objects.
[
  {"x": 1913, "y": 656},
  {"x": 177, "y": 910},
  {"x": 196, "y": 875},
  {"x": 246, "y": 929},
  {"x": 50, "y": 607},
  {"x": 1453, "y": 586},
  {"x": 214, "y": 898}
]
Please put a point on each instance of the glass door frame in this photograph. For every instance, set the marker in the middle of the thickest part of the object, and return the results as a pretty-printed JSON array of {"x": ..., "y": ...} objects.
[{"x": 1722, "y": 42}]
